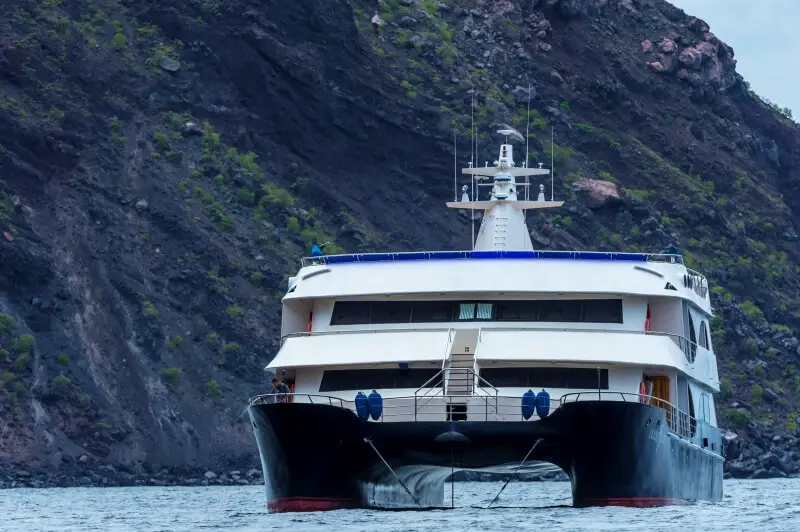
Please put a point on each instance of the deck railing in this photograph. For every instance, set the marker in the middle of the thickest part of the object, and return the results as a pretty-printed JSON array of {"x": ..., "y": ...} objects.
[
  {"x": 678, "y": 421},
  {"x": 516, "y": 255},
  {"x": 480, "y": 408}
]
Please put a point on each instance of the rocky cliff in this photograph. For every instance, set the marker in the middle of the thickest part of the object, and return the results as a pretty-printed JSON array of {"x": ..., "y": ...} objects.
[{"x": 165, "y": 164}]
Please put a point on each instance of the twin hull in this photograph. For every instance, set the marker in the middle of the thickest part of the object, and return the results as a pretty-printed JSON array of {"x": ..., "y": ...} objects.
[{"x": 320, "y": 457}]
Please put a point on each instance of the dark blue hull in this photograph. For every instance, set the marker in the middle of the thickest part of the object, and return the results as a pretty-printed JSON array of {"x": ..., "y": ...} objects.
[{"x": 317, "y": 457}]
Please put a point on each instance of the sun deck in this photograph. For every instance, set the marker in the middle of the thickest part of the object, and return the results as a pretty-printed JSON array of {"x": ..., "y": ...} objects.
[{"x": 484, "y": 255}]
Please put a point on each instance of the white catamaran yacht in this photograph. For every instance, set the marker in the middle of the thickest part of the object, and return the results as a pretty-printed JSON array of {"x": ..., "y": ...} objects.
[{"x": 401, "y": 365}]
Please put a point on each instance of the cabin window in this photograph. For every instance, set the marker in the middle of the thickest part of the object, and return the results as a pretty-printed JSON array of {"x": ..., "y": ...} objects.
[
  {"x": 561, "y": 378},
  {"x": 561, "y": 310},
  {"x": 550, "y": 310},
  {"x": 602, "y": 311},
  {"x": 517, "y": 310},
  {"x": 467, "y": 311},
  {"x": 350, "y": 312},
  {"x": 367, "y": 380},
  {"x": 390, "y": 312},
  {"x": 692, "y": 338},
  {"x": 704, "y": 335},
  {"x": 484, "y": 311},
  {"x": 433, "y": 311}
]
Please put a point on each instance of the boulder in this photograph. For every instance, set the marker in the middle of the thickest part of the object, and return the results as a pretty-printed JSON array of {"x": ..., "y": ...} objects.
[
  {"x": 731, "y": 445},
  {"x": 169, "y": 64},
  {"x": 598, "y": 193},
  {"x": 210, "y": 475},
  {"x": 647, "y": 46}
]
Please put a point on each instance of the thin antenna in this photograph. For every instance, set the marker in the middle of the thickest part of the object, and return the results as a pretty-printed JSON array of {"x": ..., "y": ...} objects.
[
  {"x": 552, "y": 166},
  {"x": 472, "y": 177},
  {"x": 527, "y": 140},
  {"x": 455, "y": 165}
]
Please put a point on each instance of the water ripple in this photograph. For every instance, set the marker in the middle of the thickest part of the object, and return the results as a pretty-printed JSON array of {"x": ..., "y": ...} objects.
[{"x": 765, "y": 505}]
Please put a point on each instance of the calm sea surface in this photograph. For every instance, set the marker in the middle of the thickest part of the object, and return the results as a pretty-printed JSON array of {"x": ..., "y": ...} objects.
[{"x": 762, "y": 505}]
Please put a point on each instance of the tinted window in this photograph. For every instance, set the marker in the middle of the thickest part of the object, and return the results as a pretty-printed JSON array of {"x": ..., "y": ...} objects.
[
  {"x": 602, "y": 311},
  {"x": 350, "y": 312},
  {"x": 560, "y": 310},
  {"x": 433, "y": 311},
  {"x": 538, "y": 378},
  {"x": 368, "y": 379},
  {"x": 571, "y": 310},
  {"x": 517, "y": 310},
  {"x": 390, "y": 312}
]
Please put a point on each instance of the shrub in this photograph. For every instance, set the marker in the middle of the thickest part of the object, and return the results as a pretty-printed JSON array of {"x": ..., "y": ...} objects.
[
  {"x": 149, "y": 309},
  {"x": 757, "y": 394},
  {"x": 6, "y": 323},
  {"x": 60, "y": 385},
  {"x": 22, "y": 361},
  {"x": 171, "y": 376},
  {"x": 213, "y": 389},
  {"x": 63, "y": 359},
  {"x": 235, "y": 311},
  {"x": 24, "y": 343},
  {"x": 231, "y": 347},
  {"x": 751, "y": 311},
  {"x": 175, "y": 343},
  {"x": 212, "y": 339},
  {"x": 738, "y": 416}
]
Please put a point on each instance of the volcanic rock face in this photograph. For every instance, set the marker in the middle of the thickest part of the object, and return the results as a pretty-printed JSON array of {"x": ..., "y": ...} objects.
[{"x": 163, "y": 165}]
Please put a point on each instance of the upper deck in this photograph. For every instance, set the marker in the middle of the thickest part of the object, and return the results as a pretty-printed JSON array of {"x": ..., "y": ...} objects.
[{"x": 494, "y": 271}]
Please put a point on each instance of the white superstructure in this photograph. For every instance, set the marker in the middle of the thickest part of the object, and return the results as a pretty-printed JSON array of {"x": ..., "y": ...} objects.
[{"x": 500, "y": 319}]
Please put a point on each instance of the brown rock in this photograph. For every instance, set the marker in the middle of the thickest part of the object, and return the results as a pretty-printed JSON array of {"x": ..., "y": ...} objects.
[
  {"x": 598, "y": 193},
  {"x": 656, "y": 66},
  {"x": 691, "y": 58},
  {"x": 8, "y": 236},
  {"x": 555, "y": 77},
  {"x": 668, "y": 46},
  {"x": 647, "y": 46},
  {"x": 707, "y": 49},
  {"x": 698, "y": 25}
]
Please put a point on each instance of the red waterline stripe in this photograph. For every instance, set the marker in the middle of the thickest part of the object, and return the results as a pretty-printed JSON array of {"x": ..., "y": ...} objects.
[
  {"x": 310, "y": 504},
  {"x": 636, "y": 502}
]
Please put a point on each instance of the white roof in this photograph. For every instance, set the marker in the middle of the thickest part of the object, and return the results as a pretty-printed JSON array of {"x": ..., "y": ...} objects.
[
  {"x": 373, "y": 347},
  {"x": 360, "y": 279},
  {"x": 581, "y": 347}
]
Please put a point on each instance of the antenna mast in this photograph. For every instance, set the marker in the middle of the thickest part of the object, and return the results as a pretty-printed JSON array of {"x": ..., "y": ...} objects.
[
  {"x": 455, "y": 165},
  {"x": 552, "y": 166},
  {"x": 527, "y": 140},
  {"x": 472, "y": 178}
]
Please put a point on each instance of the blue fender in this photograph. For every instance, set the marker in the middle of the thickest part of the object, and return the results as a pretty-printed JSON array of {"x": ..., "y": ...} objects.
[
  {"x": 362, "y": 406},
  {"x": 375, "y": 405},
  {"x": 542, "y": 404},
  {"x": 528, "y": 404}
]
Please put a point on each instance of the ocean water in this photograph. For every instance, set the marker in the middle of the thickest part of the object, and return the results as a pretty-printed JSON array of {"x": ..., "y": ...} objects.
[{"x": 762, "y": 505}]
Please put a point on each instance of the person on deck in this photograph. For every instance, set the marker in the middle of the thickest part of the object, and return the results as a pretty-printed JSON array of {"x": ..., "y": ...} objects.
[{"x": 280, "y": 391}]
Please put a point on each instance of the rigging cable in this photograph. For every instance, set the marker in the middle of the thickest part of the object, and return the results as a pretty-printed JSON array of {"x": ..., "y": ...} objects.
[
  {"x": 367, "y": 440},
  {"x": 537, "y": 442}
]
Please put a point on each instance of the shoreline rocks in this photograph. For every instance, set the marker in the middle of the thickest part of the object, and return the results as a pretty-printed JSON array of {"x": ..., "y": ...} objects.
[{"x": 107, "y": 476}]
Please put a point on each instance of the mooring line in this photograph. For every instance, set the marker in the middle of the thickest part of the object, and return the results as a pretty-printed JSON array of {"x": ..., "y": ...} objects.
[
  {"x": 367, "y": 440},
  {"x": 515, "y": 472}
]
